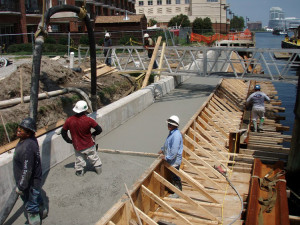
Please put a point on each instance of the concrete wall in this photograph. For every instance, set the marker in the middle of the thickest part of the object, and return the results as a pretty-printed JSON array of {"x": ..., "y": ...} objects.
[{"x": 55, "y": 150}]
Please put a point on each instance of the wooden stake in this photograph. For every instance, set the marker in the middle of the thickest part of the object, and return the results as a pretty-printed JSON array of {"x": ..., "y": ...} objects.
[
  {"x": 161, "y": 59},
  {"x": 21, "y": 86},
  {"x": 151, "y": 62},
  {"x": 5, "y": 128}
]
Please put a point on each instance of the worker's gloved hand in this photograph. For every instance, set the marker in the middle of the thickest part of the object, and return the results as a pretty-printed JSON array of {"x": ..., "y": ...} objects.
[
  {"x": 160, "y": 152},
  {"x": 19, "y": 192}
]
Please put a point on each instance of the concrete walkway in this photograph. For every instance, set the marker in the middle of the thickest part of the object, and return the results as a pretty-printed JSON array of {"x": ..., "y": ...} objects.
[{"x": 84, "y": 200}]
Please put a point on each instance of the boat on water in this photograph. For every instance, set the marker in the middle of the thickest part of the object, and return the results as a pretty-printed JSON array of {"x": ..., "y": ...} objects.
[{"x": 293, "y": 41}]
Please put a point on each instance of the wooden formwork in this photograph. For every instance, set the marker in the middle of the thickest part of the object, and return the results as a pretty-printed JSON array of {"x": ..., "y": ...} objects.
[{"x": 207, "y": 196}]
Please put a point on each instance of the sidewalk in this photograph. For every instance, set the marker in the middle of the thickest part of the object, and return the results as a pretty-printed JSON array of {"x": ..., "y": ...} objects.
[{"x": 84, "y": 200}]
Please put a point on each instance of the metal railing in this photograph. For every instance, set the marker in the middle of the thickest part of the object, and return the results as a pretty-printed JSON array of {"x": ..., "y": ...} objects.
[{"x": 205, "y": 61}]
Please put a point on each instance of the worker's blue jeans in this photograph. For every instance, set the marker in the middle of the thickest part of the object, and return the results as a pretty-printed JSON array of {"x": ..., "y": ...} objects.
[{"x": 32, "y": 199}]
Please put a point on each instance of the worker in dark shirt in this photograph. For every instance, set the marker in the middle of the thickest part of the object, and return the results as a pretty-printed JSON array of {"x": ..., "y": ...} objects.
[
  {"x": 107, "y": 52},
  {"x": 80, "y": 126},
  {"x": 28, "y": 171}
]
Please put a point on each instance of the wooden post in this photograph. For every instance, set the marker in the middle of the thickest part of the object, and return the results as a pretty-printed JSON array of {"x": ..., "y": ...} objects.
[
  {"x": 293, "y": 166},
  {"x": 161, "y": 60},
  {"x": 234, "y": 142},
  {"x": 151, "y": 62},
  {"x": 5, "y": 128},
  {"x": 21, "y": 86}
]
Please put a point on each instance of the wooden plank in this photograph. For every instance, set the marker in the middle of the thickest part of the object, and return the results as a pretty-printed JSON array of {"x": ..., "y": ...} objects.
[
  {"x": 164, "y": 205},
  {"x": 192, "y": 182},
  {"x": 145, "y": 217},
  {"x": 39, "y": 133},
  {"x": 201, "y": 209},
  {"x": 201, "y": 161}
]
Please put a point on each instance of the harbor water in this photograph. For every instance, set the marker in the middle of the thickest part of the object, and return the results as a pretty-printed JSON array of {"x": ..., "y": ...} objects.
[{"x": 286, "y": 91}]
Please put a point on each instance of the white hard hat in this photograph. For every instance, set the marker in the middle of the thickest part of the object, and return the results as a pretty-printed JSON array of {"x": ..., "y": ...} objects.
[
  {"x": 146, "y": 35},
  {"x": 80, "y": 106},
  {"x": 173, "y": 120},
  {"x": 107, "y": 35}
]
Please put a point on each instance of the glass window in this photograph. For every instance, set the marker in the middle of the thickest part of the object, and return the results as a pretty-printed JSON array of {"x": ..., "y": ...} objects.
[
  {"x": 212, "y": 0},
  {"x": 159, "y": 2},
  {"x": 61, "y": 2},
  {"x": 187, "y": 1},
  {"x": 177, "y": 1},
  {"x": 141, "y": 3},
  {"x": 150, "y": 2},
  {"x": 169, "y": 2}
]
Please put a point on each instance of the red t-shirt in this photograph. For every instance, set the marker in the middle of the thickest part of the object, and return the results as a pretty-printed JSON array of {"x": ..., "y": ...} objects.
[{"x": 80, "y": 129}]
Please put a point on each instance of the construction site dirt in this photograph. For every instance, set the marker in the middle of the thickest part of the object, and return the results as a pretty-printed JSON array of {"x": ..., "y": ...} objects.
[{"x": 55, "y": 75}]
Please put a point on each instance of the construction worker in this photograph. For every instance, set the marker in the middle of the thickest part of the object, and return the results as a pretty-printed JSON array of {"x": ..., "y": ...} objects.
[
  {"x": 107, "y": 43},
  {"x": 28, "y": 172},
  {"x": 257, "y": 101},
  {"x": 148, "y": 44},
  {"x": 80, "y": 126},
  {"x": 171, "y": 152}
]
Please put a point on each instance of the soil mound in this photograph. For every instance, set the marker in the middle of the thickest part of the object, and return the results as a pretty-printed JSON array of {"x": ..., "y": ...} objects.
[{"x": 55, "y": 75}]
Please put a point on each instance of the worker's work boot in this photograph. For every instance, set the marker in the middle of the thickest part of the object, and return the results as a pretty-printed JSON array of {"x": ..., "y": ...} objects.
[
  {"x": 79, "y": 173},
  {"x": 43, "y": 212},
  {"x": 98, "y": 169},
  {"x": 34, "y": 219},
  {"x": 260, "y": 126},
  {"x": 178, "y": 185},
  {"x": 254, "y": 125}
]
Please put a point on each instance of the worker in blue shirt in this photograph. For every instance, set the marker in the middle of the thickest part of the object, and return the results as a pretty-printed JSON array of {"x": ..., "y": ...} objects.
[{"x": 171, "y": 152}]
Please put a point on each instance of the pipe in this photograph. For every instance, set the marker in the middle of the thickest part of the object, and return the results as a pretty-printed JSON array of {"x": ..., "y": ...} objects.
[
  {"x": 37, "y": 54},
  {"x": 15, "y": 101}
]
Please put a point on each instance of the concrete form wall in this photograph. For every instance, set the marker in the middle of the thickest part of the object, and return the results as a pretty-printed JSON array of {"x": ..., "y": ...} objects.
[{"x": 55, "y": 150}]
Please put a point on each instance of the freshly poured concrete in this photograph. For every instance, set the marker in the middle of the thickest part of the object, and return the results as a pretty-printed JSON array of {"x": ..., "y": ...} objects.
[{"x": 84, "y": 200}]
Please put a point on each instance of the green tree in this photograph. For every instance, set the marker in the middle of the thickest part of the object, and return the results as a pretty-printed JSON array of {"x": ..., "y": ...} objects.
[
  {"x": 207, "y": 25},
  {"x": 152, "y": 22},
  {"x": 237, "y": 23},
  {"x": 197, "y": 26},
  {"x": 179, "y": 20}
]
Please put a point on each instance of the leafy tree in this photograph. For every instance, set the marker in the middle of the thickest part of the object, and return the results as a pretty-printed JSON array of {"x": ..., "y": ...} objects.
[
  {"x": 179, "y": 20},
  {"x": 207, "y": 25},
  {"x": 237, "y": 23},
  {"x": 198, "y": 26},
  {"x": 152, "y": 22}
]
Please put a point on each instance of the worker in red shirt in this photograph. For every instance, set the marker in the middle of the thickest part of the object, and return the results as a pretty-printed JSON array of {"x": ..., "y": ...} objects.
[{"x": 80, "y": 126}]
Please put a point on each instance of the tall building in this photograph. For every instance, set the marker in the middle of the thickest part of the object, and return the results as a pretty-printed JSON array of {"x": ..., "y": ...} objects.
[
  {"x": 23, "y": 16},
  {"x": 276, "y": 18},
  {"x": 163, "y": 10}
]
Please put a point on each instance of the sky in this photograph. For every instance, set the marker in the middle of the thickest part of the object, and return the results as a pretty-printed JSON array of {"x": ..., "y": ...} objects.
[{"x": 258, "y": 10}]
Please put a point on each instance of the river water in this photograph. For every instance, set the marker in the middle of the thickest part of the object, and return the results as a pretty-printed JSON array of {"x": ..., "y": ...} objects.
[{"x": 286, "y": 91}]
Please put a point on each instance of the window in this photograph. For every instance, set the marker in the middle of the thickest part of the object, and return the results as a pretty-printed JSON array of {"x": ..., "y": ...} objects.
[
  {"x": 61, "y": 2},
  {"x": 141, "y": 3},
  {"x": 169, "y": 2},
  {"x": 159, "y": 2},
  {"x": 150, "y": 2},
  {"x": 212, "y": 0},
  {"x": 177, "y": 2},
  {"x": 187, "y": 1},
  {"x": 150, "y": 11}
]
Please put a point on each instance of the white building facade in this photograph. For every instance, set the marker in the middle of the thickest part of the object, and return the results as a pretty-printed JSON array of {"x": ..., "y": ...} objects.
[{"x": 163, "y": 10}]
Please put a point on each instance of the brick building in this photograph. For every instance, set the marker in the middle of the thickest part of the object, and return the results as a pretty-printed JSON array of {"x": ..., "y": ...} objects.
[{"x": 23, "y": 16}]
